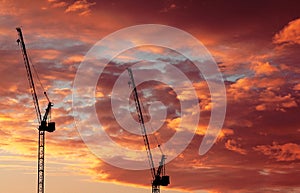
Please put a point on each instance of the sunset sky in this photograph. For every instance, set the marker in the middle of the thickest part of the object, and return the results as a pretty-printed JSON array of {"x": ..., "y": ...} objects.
[{"x": 255, "y": 44}]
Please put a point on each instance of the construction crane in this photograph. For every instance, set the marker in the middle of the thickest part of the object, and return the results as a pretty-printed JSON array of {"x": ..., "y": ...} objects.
[
  {"x": 159, "y": 177},
  {"x": 44, "y": 122}
]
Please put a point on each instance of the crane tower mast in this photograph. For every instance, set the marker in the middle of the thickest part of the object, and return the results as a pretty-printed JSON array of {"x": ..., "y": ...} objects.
[{"x": 44, "y": 125}]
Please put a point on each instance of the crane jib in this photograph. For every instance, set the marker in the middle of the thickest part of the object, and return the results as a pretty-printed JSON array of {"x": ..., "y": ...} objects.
[
  {"x": 159, "y": 177},
  {"x": 142, "y": 123},
  {"x": 29, "y": 75}
]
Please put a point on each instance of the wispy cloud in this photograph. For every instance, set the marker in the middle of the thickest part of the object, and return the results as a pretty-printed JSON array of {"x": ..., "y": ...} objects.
[{"x": 80, "y": 6}]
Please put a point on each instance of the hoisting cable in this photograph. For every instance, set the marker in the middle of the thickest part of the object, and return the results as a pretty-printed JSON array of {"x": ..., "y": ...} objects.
[
  {"x": 151, "y": 128},
  {"x": 36, "y": 74}
]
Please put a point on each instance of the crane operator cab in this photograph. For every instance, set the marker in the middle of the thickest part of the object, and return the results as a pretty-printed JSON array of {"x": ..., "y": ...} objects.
[
  {"x": 161, "y": 180},
  {"x": 165, "y": 180},
  {"x": 49, "y": 127}
]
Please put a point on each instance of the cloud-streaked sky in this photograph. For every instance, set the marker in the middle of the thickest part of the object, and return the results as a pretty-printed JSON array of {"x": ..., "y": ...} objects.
[{"x": 255, "y": 44}]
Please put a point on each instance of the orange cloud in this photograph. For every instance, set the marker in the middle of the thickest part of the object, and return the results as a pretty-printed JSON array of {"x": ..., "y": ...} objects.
[
  {"x": 224, "y": 133},
  {"x": 58, "y": 4},
  {"x": 297, "y": 87},
  {"x": 290, "y": 34},
  {"x": 8, "y": 8},
  {"x": 285, "y": 152},
  {"x": 263, "y": 68},
  {"x": 246, "y": 87},
  {"x": 271, "y": 101},
  {"x": 261, "y": 107},
  {"x": 81, "y": 6},
  {"x": 232, "y": 145}
]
